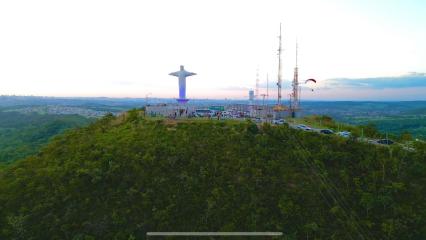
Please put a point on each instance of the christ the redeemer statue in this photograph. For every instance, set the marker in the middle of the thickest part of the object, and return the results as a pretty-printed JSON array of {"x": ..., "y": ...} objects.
[{"x": 182, "y": 74}]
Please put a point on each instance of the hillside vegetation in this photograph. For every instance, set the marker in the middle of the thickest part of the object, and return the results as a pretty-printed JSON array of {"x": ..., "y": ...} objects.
[
  {"x": 397, "y": 125},
  {"x": 367, "y": 130},
  {"x": 22, "y": 135},
  {"x": 122, "y": 177},
  {"x": 395, "y": 118}
]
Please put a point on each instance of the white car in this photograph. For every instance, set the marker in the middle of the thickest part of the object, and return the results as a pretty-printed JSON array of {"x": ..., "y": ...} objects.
[
  {"x": 344, "y": 134},
  {"x": 303, "y": 127},
  {"x": 278, "y": 121}
]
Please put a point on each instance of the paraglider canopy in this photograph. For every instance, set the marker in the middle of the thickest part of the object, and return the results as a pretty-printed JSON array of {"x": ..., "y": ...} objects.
[{"x": 311, "y": 80}]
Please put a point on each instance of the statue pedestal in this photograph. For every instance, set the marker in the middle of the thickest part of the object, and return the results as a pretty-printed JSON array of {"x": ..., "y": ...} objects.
[{"x": 182, "y": 100}]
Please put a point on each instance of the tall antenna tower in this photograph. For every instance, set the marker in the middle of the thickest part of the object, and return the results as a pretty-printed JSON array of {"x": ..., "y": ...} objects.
[
  {"x": 256, "y": 92},
  {"x": 267, "y": 86},
  {"x": 279, "y": 83},
  {"x": 295, "y": 96}
]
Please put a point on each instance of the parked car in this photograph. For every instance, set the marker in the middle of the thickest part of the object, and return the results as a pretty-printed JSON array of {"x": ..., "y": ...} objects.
[
  {"x": 385, "y": 141},
  {"x": 344, "y": 134},
  {"x": 303, "y": 127},
  {"x": 278, "y": 121},
  {"x": 326, "y": 131},
  {"x": 204, "y": 113}
]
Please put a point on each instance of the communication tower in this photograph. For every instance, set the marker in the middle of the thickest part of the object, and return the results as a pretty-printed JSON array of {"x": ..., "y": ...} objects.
[
  {"x": 257, "y": 85},
  {"x": 267, "y": 86},
  {"x": 279, "y": 107},
  {"x": 279, "y": 83},
  {"x": 295, "y": 95}
]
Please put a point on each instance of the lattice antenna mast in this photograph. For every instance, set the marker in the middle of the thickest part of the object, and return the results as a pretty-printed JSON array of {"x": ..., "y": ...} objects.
[
  {"x": 279, "y": 83},
  {"x": 295, "y": 98},
  {"x": 257, "y": 84},
  {"x": 267, "y": 86}
]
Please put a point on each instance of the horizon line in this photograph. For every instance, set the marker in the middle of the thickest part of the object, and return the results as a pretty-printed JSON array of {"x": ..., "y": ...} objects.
[{"x": 210, "y": 99}]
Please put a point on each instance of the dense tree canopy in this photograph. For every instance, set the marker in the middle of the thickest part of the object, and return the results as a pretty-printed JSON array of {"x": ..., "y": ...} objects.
[
  {"x": 22, "y": 135},
  {"x": 122, "y": 177}
]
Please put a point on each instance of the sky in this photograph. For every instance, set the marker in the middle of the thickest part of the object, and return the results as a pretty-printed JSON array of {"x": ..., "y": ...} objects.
[{"x": 355, "y": 49}]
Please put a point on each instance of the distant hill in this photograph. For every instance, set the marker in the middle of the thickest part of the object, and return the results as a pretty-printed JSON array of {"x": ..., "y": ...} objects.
[
  {"x": 124, "y": 176},
  {"x": 418, "y": 111}
]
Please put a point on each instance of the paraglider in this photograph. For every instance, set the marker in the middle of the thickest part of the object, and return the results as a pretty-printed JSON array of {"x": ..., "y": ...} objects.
[{"x": 311, "y": 80}]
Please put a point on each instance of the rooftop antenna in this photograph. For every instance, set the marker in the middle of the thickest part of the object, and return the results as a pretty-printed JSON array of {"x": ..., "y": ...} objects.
[{"x": 295, "y": 96}]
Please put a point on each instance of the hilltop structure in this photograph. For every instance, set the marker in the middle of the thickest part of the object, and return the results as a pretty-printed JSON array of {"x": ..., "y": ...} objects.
[
  {"x": 295, "y": 95},
  {"x": 182, "y": 74},
  {"x": 279, "y": 109}
]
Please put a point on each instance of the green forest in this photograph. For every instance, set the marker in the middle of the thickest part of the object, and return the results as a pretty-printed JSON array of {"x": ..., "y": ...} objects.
[
  {"x": 121, "y": 177},
  {"x": 22, "y": 135},
  {"x": 413, "y": 124}
]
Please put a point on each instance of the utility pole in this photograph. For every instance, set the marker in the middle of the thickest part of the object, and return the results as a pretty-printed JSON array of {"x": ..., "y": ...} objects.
[
  {"x": 263, "y": 100},
  {"x": 263, "y": 95},
  {"x": 266, "y": 108}
]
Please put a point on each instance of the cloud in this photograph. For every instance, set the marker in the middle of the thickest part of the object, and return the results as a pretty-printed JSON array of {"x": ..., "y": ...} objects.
[
  {"x": 405, "y": 87},
  {"x": 411, "y": 80}
]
